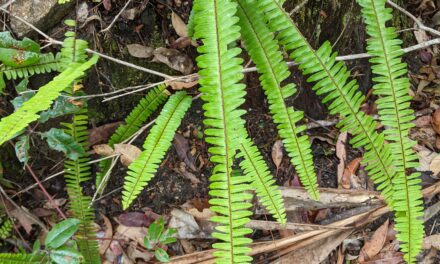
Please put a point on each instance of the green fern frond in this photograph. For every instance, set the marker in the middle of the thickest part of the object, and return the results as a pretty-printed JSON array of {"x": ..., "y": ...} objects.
[
  {"x": 263, "y": 183},
  {"x": 221, "y": 72},
  {"x": 77, "y": 172},
  {"x": 7, "y": 258},
  {"x": 73, "y": 50},
  {"x": 332, "y": 81},
  {"x": 264, "y": 51},
  {"x": 143, "y": 110},
  {"x": 48, "y": 62},
  {"x": 6, "y": 228},
  {"x": 42, "y": 100},
  {"x": 156, "y": 145},
  {"x": 392, "y": 87}
]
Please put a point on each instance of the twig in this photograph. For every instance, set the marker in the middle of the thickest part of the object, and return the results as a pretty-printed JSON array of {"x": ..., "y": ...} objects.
[
  {"x": 298, "y": 7},
  {"x": 116, "y": 17},
  {"x": 8, "y": 3},
  {"x": 417, "y": 21}
]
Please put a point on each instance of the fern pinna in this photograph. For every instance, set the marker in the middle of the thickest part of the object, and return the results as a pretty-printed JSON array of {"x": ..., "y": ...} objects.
[
  {"x": 146, "y": 106},
  {"x": 264, "y": 51},
  {"x": 156, "y": 145},
  {"x": 392, "y": 87},
  {"x": 20, "y": 258},
  {"x": 220, "y": 71}
]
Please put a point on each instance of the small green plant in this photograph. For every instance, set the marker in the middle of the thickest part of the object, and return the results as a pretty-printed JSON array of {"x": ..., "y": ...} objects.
[{"x": 157, "y": 237}]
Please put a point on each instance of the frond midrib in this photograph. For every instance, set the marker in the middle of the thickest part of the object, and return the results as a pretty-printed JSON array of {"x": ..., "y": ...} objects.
[{"x": 285, "y": 107}]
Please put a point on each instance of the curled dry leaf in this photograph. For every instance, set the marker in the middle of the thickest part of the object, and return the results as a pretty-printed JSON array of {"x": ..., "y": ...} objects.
[
  {"x": 373, "y": 246},
  {"x": 128, "y": 153},
  {"x": 176, "y": 85},
  {"x": 436, "y": 121},
  {"x": 101, "y": 134},
  {"x": 341, "y": 153},
  {"x": 136, "y": 219},
  {"x": 185, "y": 224},
  {"x": 103, "y": 150},
  {"x": 131, "y": 233},
  {"x": 435, "y": 166},
  {"x": 104, "y": 244},
  {"x": 178, "y": 25},
  {"x": 174, "y": 59},
  {"x": 140, "y": 51},
  {"x": 349, "y": 173},
  {"x": 277, "y": 153}
]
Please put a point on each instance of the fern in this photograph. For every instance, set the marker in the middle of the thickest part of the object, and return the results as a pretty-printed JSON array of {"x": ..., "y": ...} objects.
[
  {"x": 14, "y": 123},
  {"x": 262, "y": 181},
  {"x": 6, "y": 228},
  {"x": 7, "y": 258},
  {"x": 77, "y": 172},
  {"x": 133, "y": 122},
  {"x": 263, "y": 49},
  {"x": 215, "y": 24},
  {"x": 392, "y": 87},
  {"x": 332, "y": 80},
  {"x": 156, "y": 145}
]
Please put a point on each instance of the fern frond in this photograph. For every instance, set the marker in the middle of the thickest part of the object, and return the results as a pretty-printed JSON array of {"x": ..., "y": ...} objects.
[
  {"x": 48, "y": 62},
  {"x": 77, "y": 172},
  {"x": 221, "y": 72},
  {"x": 332, "y": 81},
  {"x": 392, "y": 87},
  {"x": 42, "y": 100},
  {"x": 6, "y": 228},
  {"x": 154, "y": 98},
  {"x": 73, "y": 50},
  {"x": 263, "y": 183},
  {"x": 156, "y": 145},
  {"x": 264, "y": 51},
  {"x": 7, "y": 258}
]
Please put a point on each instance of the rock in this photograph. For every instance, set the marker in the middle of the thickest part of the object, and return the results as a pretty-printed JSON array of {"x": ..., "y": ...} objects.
[{"x": 43, "y": 14}]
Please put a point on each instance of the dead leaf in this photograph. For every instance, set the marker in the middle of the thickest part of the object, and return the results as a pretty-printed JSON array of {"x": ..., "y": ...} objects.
[
  {"x": 181, "y": 169},
  {"x": 341, "y": 153},
  {"x": 128, "y": 153},
  {"x": 136, "y": 219},
  {"x": 104, "y": 244},
  {"x": 432, "y": 241},
  {"x": 101, "y": 134},
  {"x": 140, "y": 51},
  {"x": 57, "y": 203},
  {"x": 349, "y": 173},
  {"x": 186, "y": 225},
  {"x": 435, "y": 166},
  {"x": 374, "y": 245},
  {"x": 103, "y": 150},
  {"x": 178, "y": 25},
  {"x": 24, "y": 219},
  {"x": 130, "y": 14},
  {"x": 423, "y": 121},
  {"x": 82, "y": 12},
  {"x": 181, "y": 145},
  {"x": 176, "y": 85},
  {"x": 107, "y": 4},
  {"x": 136, "y": 254},
  {"x": 131, "y": 233},
  {"x": 425, "y": 157},
  {"x": 277, "y": 153},
  {"x": 174, "y": 59},
  {"x": 436, "y": 121}
]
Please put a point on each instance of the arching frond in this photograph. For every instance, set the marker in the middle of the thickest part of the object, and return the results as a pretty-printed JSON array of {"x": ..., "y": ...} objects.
[
  {"x": 332, "y": 81},
  {"x": 156, "y": 145},
  {"x": 392, "y": 87},
  {"x": 220, "y": 72},
  {"x": 8, "y": 258},
  {"x": 264, "y": 51},
  {"x": 263, "y": 183}
]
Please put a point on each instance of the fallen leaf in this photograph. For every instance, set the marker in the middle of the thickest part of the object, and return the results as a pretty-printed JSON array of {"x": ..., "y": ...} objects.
[
  {"x": 349, "y": 172},
  {"x": 24, "y": 219},
  {"x": 181, "y": 145},
  {"x": 103, "y": 150},
  {"x": 130, "y": 14},
  {"x": 185, "y": 224},
  {"x": 128, "y": 153},
  {"x": 101, "y": 134},
  {"x": 174, "y": 59},
  {"x": 131, "y": 233},
  {"x": 432, "y": 241},
  {"x": 437, "y": 142},
  {"x": 423, "y": 121},
  {"x": 181, "y": 169},
  {"x": 374, "y": 245},
  {"x": 178, "y": 25},
  {"x": 436, "y": 121},
  {"x": 56, "y": 203},
  {"x": 104, "y": 244},
  {"x": 135, "y": 254},
  {"x": 136, "y": 219},
  {"x": 140, "y": 51},
  {"x": 176, "y": 85},
  {"x": 435, "y": 166},
  {"x": 277, "y": 153},
  {"x": 341, "y": 153},
  {"x": 425, "y": 158},
  {"x": 82, "y": 12},
  {"x": 107, "y": 4}
]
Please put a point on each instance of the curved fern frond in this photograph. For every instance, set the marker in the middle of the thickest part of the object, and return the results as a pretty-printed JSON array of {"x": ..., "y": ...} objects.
[
  {"x": 48, "y": 62},
  {"x": 75, "y": 173},
  {"x": 332, "y": 80},
  {"x": 263, "y": 183},
  {"x": 156, "y": 145},
  {"x": 392, "y": 87},
  {"x": 264, "y": 51},
  {"x": 221, "y": 71},
  {"x": 42, "y": 100},
  {"x": 7, "y": 258},
  {"x": 146, "y": 106},
  {"x": 73, "y": 50}
]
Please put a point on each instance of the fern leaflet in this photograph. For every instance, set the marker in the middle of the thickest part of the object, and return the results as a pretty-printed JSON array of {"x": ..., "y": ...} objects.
[
  {"x": 7, "y": 258},
  {"x": 156, "y": 145},
  {"x": 392, "y": 87}
]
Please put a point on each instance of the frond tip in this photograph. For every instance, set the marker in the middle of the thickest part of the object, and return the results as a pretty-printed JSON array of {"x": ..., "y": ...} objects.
[{"x": 157, "y": 143}]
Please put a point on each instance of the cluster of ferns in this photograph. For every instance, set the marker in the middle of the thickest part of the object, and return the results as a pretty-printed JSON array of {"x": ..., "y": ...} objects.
[{"x": 266, "y": 29}]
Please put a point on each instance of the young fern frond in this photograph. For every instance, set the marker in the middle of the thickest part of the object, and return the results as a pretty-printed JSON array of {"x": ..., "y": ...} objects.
[
  {"x": 392, "y": 87},
  {"x": 220, "y": 71},
  {"x": 262, "y": 182},
  {"x": 155, "y": 147},
  {"x": 77, "y": 172},
  {"x": 73, "y": 50},
  {"x": 7, "y": 258},
  {"x": 332, "y": 80},
  {"x": 264, "y": 52},
  {"x": 154, "y": 98},
  {"x": 42, "y": 100}
]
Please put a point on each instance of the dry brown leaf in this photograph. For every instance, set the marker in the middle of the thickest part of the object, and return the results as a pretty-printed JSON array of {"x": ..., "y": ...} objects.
[
  {"x": 436, "y": 121},
  {"x": 24, "y": 219},
  {"x": 132, "y": 233},
  {"x": 435, "y": 166},
  {"x": 174, "y": 59},
  {"x": 128, "y": 153},
  {"x": 349, "y": 172},
  {"x": 140, "y": 51},
  {"x": 206, "y": 214},
  {"x": 186, "y": 225},
  {"x": 181, "y": 145},
  {"x": 432, "y": 241},
  {"x": 107, "y": 4},
  {"x": 277, "y": 153},
  {"x": 178, "y": 25},
  {"x": 103, "y": 150},
  {"x": 101, "y": 134},
  {"x": 341, "y": 153},
  {"x": 425, "y": 157},
  {"x": 423, "y": 121},
  {"x": 175, "y": 85},
  {"x": 374, "y": 245},
  {"x": 104, "y": 244}
]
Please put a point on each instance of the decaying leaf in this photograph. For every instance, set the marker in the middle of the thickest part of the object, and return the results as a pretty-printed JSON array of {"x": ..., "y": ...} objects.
[
  {"x": 373, "y": 246},
  {"x": 349, "y": 173},
  {"x": 174, "y": 59},
  {"x": 103, "y": 150},
  {"x": 137, "y": 219},
  {"x": 140, "y": 51},
  {"x": 101, "y": 134},
  {"x": 185, "y": 224},
  {"x": 341, "y": 153},
  {"x": 104, "y": 244},
  {"x": 432, "y": 241},
  {"x": 128, "y": 153},
  {"x": 277, "y": 153},
  {"x": 435, "y": 166},
  {"x": 178, "y": 25},
  {"x": 176, "y": 85},
  {"x": 436, "y": 121},
  {"x": 181, "y": 145}
]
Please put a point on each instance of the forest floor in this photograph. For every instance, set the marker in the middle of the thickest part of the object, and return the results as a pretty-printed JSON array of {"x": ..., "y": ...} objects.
[{"x": 349, "y": 225}]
